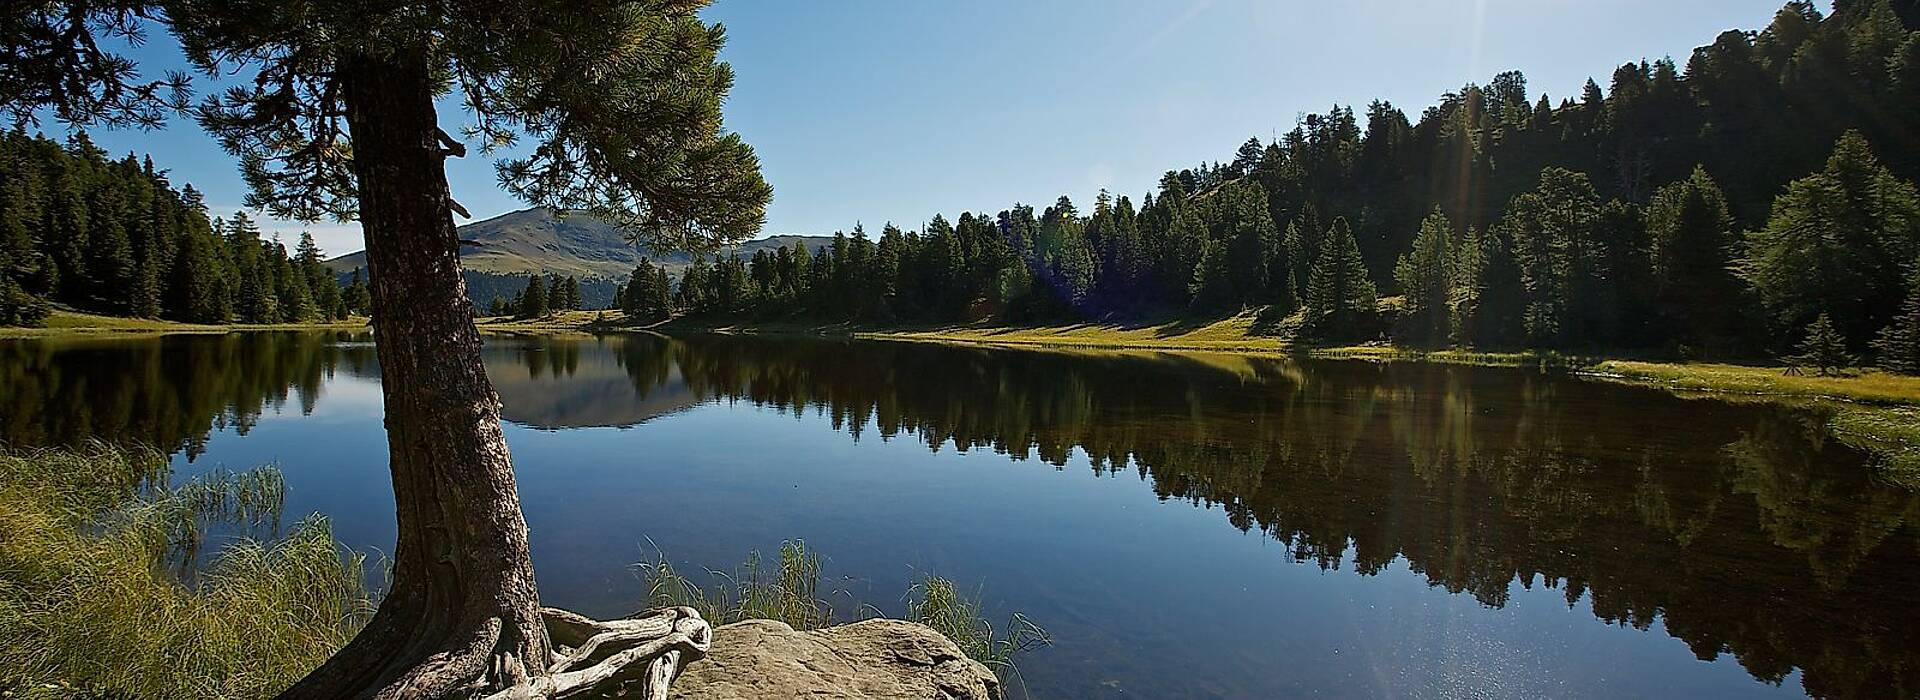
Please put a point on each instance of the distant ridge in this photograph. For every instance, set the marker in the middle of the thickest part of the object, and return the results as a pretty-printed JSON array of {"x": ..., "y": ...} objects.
[{"x": 539, "y": 240}]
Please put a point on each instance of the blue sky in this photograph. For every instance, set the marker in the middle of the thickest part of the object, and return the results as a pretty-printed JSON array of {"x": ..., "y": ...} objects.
[{"x": 892, "y": 110}]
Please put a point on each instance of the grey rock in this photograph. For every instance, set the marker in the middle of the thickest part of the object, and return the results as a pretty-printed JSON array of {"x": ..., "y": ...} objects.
[{"x": 759, "y": 659}]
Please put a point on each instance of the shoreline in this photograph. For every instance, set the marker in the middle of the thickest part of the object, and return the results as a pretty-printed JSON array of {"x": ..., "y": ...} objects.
[{"x": 64, "y": 324}]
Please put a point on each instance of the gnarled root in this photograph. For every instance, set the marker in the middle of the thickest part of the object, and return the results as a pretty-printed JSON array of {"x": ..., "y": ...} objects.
[{"x": 638, "y": 656}]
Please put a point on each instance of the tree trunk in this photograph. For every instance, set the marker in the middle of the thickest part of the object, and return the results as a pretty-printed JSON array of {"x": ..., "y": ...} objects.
[
  {"x": 462, "y": 617},
  {"x": 462, "y": 601}
]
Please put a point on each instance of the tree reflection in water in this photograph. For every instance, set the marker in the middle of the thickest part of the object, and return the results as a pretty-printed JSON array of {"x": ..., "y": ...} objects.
[{"x": 1743, "y": 528}]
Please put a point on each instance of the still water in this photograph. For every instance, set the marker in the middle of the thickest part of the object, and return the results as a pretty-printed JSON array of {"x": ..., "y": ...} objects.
[{"x": 1184, "y": 526}]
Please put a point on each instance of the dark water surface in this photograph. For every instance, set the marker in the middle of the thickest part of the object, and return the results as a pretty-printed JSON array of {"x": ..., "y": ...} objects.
[{"x": 1192, "y": 526}]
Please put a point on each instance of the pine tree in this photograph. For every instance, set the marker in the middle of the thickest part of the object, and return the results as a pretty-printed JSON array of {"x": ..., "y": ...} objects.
[
  {"x": 1340, "y": 292},
  {"x": 1823, "y": 348},
  {"x": 1838, "y": 242},
  {"x": 1692, "y": 240},
  {"x": 356, "y": 299},
  {"x": 291, "y": 296},
  {"x": 109, "y": 270},
  {"x": 622, "y": 100},
  {"x": 1551, "y": 229},
  {"x": 635, "y": 294},
  {"x": 254, "y": 298},
  {"x": 1899, "y": 343},
  {"x": 532, "y": 302},
  {"x": 1425, "y": 276},
  {"x": 197, "y": 283}
]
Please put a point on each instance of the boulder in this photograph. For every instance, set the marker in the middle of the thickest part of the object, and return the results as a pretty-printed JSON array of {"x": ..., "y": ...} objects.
[{"x": 869, "y": 659}]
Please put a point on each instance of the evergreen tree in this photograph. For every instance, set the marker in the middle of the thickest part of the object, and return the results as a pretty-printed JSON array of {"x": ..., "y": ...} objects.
[
  {"x": 18, "y": 308},
  {"x": 1823, "y": 348},
  {"x": 532, "y": 303},
  {"x": 622, "y": 101},
  {"x": 1839, "y": 242},
  {"x": 199, "y": 291},
  {"x": 1551, "y": 229},
  {"x": 635, "y": 293},
  {"x": 291, "y": 296},
  {"x": 254, "y": 299},
  {"x": 1487, "y": 302},
  {"x": 1899, "y": 343},
  {"x": 1340, "y": 292},
  {"x": 1425, "y": 276},
  {"x": 1692, "y": 240},
  {"x": 661, "y": 302},
  {"x": 356, "y": 298}
]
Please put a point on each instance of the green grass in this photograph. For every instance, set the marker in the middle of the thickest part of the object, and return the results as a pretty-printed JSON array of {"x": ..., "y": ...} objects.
[
  {"x": 936, "y": 603},
  {"x": 65, "y": 322},
  {"x": 789, "y": 592},
  {"x": 90, "y": 604}
]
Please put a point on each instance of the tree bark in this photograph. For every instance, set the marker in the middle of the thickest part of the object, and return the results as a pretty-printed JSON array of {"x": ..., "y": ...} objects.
[{"x": 462, "y": 615}]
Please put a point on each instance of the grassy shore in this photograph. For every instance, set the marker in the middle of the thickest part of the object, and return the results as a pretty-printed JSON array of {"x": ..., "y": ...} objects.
[{"x": 74, "y": 323}]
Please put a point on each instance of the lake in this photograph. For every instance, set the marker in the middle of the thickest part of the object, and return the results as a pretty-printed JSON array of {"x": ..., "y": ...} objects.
[{"x": 1184, "y": 525}]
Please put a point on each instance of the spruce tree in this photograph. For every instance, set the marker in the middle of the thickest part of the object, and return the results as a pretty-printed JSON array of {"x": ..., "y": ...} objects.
[
  {"x": 1838, "y": 242},
  {"x": 291, "y": 296},
  {"x": 532, "y": 302},
  {"x": 1425, "y": 276},
  {"x": 1340, "y": 292},
  {"x": 636, "y": 293},
  {"x": 1823, "y": 348},
  {"x": 356, "y": 299},
  {"x": 1899, "y": 343},
  {"x": 1692, "y": 245},
  {"x": 572, "y": 289}
]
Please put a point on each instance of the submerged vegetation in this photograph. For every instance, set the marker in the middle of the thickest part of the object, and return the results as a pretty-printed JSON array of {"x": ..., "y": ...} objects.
[
  {"x": 790, "y": 593},
  {"x": 91, "y": 604}
]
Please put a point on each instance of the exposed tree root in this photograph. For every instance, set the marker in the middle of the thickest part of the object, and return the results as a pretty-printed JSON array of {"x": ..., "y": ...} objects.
[{"x": 638, "y": 656}]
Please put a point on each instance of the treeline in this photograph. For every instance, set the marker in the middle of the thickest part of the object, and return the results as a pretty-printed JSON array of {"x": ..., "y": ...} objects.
[
  {"x": 1660, "y": 213},
  {"x": 114, "y": 237},
  {"x": 543, "y": 295}
]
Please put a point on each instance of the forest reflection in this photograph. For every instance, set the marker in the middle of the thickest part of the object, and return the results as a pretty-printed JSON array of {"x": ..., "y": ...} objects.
[
  {"x": 1740, "y": 528},
  {"x": 1743, "y": 529}
]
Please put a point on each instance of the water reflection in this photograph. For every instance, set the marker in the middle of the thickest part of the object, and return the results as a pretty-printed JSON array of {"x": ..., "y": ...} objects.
[
  {"x": 1745, "y": 529},
  {"x": 1738, "y": 529},
  {"x": 169, "y": 392}
]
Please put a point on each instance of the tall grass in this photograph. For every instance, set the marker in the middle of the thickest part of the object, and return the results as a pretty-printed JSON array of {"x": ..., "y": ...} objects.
[
  {"x": 88, "y": 605},
  {"x": 936, "y": 603},
  {"x": 790, "y": 592}
]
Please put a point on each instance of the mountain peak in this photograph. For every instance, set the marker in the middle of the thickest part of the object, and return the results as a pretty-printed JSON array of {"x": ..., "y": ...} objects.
[{"x": 541, "y": 240}]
